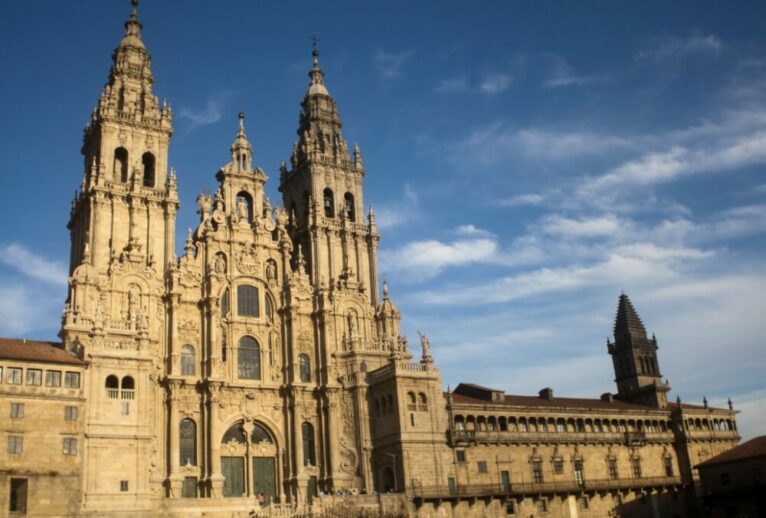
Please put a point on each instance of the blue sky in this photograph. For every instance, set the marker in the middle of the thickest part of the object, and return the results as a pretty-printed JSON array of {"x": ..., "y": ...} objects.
[{"x": 527, "y": 161}]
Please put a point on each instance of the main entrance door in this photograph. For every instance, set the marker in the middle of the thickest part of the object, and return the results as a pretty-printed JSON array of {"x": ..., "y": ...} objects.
[
  {"x": 233, "y": 468},
  {"x": 264, "y": 477}
]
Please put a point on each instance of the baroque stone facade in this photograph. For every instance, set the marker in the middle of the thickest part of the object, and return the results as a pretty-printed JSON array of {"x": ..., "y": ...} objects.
[{"x": 263, "y": 364}]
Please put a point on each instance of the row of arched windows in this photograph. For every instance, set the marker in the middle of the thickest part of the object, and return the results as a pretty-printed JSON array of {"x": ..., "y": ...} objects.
[
  {"x": 559, "y": 425},
  {"x": 349, "y": 211},
  {"x": 248, "y": 361},
  {"x": 417, "y": 403},
  {"x": 648, "y": 365},
  {"x": 120, "y": 389},
  {"x": 120, "y": 167},
  {"x": 721, "y": 425}
]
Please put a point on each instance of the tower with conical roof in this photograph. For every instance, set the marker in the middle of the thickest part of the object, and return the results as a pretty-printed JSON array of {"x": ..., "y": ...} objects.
[{"x": 634, "y": 356}]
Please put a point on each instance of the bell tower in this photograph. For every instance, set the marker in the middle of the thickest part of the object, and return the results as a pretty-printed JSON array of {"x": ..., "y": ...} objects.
[
  {"x": 636, "y": 369},
  {"x": 323, "y": 195},
  {"x": 126, "y": 206}
]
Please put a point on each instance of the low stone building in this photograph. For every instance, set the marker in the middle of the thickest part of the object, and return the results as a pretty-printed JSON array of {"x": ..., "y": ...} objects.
[
  {"x": 734, "y": 482},
  {"x": 264, "y": 369}
]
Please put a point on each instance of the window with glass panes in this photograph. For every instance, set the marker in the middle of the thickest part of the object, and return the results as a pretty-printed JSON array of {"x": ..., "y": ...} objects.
[
  {"x": 52, "y": 378},
  {"x": 34, "y": 377},
  {"x": 247, "y": 301}
]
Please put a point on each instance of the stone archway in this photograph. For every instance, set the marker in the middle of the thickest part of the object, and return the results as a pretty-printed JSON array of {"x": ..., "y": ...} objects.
[{"x": 249, "y": 461}]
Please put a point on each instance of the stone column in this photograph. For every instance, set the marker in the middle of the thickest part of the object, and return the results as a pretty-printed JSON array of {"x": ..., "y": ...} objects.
[
  {"x": 215, "y": 476},
  {"x": 176, "y": 479},
  {"x": 333, "y": 432}
]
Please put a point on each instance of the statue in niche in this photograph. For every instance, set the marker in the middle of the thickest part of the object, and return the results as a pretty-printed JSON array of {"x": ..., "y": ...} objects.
[
  {"x": 218, "y": 210},
  {"x": 243, "y": 213},
  {"x": 271, "y": 271},
  {"x": 352, "y": 323},
  {"x": 220, "y": 264}
]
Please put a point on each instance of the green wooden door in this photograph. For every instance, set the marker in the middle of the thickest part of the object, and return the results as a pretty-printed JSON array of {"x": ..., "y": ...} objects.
[
  {"x": 233, "y": 468},
  {"x": 505, "y": 479},
  {"x": 311, "y": 490},
  {"x": 264, "y": 477},
  {"x": 452, "y": 486}
]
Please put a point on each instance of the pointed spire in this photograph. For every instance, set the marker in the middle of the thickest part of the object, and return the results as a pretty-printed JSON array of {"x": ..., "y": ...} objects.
[
  {"x": 316, "y": 74},
  {"x": 627, "y": 324},
  {"x": 133, "y": 27},
  {"x": 300, "y": 261}
]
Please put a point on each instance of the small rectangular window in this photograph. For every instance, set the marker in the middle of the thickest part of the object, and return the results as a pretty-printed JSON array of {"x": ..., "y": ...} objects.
[
  {"x": 15, "y": 444},
  {"x": 542, "y": 505},
  {"x": 17, "y": 410},
  {"x": 537, "y": 471},
  {"x": 460, "y": 455},
  {"x": 123, "y": 485},
  {"x": 510, "y": 508},
  {"x": 34, "y": 377},
  {"x": 636, "y": 465},
  {"x": 482, "y": 464},
  {"x": 70, "y": 446},
  {"x": 14, "y": 376},
  {"x": 584, "y": 503},
  {"x": 668, "y": 466},
  {"x": 613, "y": 469},
  {"x": 72, "y": 380},
  {"x": 17, "y": 503},
  {"x": 70, "y": 413},
  {"x": 125, "y": 408},
  {"x": 558, "y": 465},
  {"x": 52, "y": 378}
]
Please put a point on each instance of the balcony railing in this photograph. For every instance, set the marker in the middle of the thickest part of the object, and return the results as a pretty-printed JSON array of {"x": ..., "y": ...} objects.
[{"x": 524, "y": 488}]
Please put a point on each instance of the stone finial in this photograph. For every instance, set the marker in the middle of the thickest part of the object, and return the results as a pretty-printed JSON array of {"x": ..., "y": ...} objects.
[
  {"x": 241, "y": 124},
  {"x": 385, "y": 290}
]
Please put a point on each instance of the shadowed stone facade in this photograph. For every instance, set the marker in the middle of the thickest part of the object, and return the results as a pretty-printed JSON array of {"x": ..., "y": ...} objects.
[{"x": 263, "y": 364}]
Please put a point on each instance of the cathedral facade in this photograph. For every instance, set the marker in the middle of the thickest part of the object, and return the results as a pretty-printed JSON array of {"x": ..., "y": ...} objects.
[{"x": 263, "y": 371}]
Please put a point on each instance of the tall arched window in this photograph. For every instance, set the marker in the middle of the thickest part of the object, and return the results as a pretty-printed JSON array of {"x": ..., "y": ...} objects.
[
  {"x": 187, "y": 360},
  {"x": 329, "y": 203},
  {"x": 247, "y": 301},
  {"x": 225, "y": 303},
  {"x": 307, "y": 430},
  {"x": 269, "y": 308},
  {"x": 148, "y": 161},
  {"x": 304, "y": 365},
  {"x": 127, "y": 388},
  {"x": 249, "y": 358},
  {"x": 187, "y": 432},
  {"x": 348, "y": 200},
  {"x": 120, "y": 166},
  {"x": 245, "y": 206}
]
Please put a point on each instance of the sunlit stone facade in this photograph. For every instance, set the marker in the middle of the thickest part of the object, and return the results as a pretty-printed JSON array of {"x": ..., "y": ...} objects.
[{"x": 264, "y": 367}]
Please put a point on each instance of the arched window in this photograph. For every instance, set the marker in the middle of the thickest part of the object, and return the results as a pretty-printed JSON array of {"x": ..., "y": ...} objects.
[
  {"x": 127, "y": 388},
  {"x": 187, "y": 432},
  {"x": 307, "y": 431},
  {"x": 329, "y": 204},
  {"x": 422, "y": 402},
  {"x": 225, "y": 303},
  {"x": 304, "y": 365},
  {"x": 249, "y": 358},
  {"x": 187, "y": 360},
  {"x": 247, "y": 301},
  {"x": 245, "y": 205},
  {"x": 120, "y": 166},
  {"x": 148, "y": 161},
  {"x": 112, "y": 385},
  {"x": 348, "y": 200}
]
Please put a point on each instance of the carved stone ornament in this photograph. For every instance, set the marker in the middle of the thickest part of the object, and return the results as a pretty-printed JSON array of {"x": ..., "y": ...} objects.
[{"x": 246, "y": 258}]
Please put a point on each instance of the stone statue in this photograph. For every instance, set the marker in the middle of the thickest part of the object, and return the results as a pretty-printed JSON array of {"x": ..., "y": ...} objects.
[
  {"x": 220, "y": 264},
  {"x": 426, "y": 345},
  {"x": 203, "y": 206},
  {"x": 242, "y": 210}
]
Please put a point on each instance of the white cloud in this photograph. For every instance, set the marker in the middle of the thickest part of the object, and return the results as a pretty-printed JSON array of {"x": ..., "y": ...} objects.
[
  {"x": 421, "y": 260},
  {"x": 518, "y": 200},
  {"x": 210, "y": 114},
  {"x": 495, "y": 83},
  {"x": 675, "y": 48},
  {"x": 400, "y": 211},
  {"x": 472, "y": 230},
  {"x": 582, "y": 227},
  {"x": 26, "y": 308},
  {"x": 390, "y": 64},
  {"x": 452, "y": 85},
  {"x": 27, "y": 262}
]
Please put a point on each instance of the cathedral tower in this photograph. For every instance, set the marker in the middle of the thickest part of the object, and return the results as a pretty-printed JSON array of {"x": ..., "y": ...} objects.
[{"x": 636, "y": 369}]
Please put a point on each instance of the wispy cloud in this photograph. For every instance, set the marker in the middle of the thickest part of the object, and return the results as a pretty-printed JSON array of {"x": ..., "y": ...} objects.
[
  {"x": 563, "y": 75},
  {"x": 453, "y": 85},
  {"x": 399, "y": 211},
  {"x": 390, "y": 64},
  {"x": 495, "y": 83},
  {"x": 32, "y": 265},
  {"x": 675, "y": 48},
  {"x": 209, "y": 114}
]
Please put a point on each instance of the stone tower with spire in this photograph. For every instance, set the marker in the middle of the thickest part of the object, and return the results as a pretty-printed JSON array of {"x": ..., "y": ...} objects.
[
  {"x": 634, "y": 355},
  {"x": 122, "y": 229}
]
